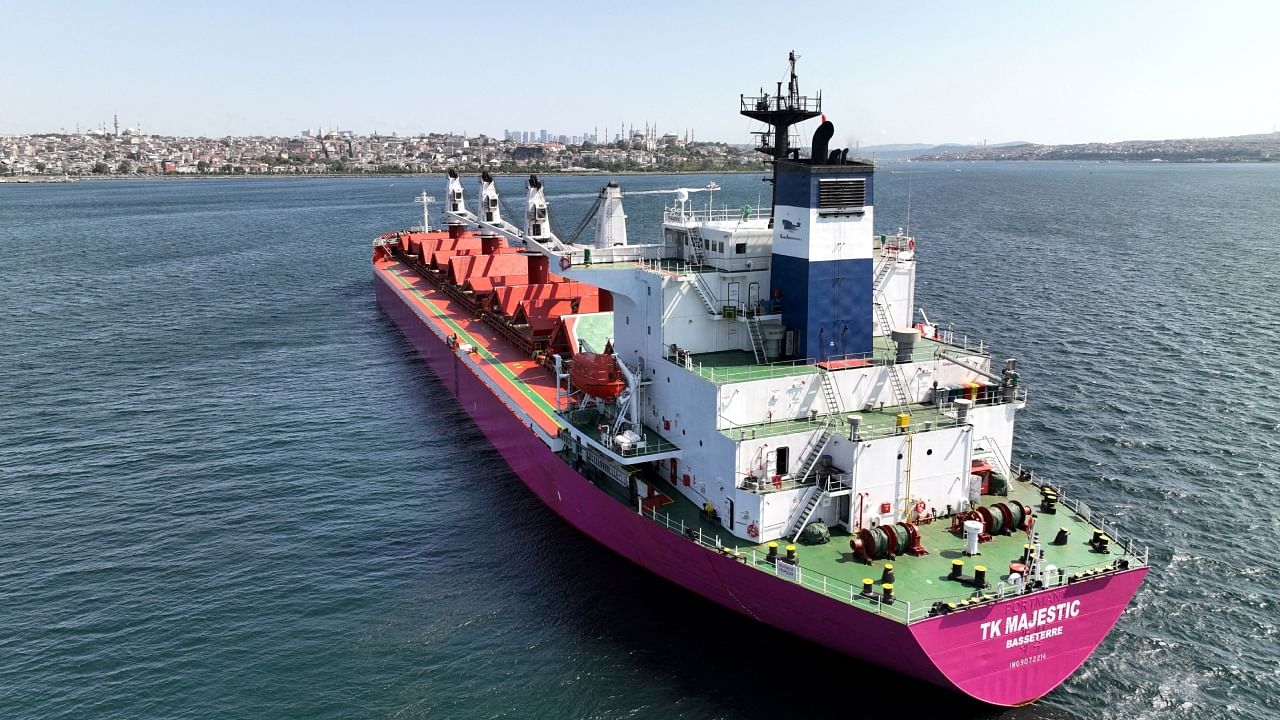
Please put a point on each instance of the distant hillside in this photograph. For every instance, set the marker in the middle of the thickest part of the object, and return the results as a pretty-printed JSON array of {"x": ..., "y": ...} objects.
[
  {"x": 1239, "y": 148},
  {"x": 903, "y": 151}
]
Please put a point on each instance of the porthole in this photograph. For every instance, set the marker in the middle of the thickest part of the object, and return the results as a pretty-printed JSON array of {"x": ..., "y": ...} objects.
[{"x": 929, "y": 451}]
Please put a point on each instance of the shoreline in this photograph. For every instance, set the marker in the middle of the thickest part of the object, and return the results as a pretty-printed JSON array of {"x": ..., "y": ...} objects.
[
  {"x": 60, "y": 180},
  {"x": 51, "y": 180}
]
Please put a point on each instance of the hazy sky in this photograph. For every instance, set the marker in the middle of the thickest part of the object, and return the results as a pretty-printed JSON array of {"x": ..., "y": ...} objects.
[{"x": 1044, "y": 72}]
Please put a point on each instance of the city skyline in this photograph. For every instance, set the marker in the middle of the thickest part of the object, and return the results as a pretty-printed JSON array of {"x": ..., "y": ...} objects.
[{"x": 1001, "y": 72}]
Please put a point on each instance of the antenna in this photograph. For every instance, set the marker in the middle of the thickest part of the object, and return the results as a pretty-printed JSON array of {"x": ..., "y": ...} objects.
[
  {"x": 909, "y": 174},
  {"x": 424, "y": 200},
  {"x": 780, "y": 112}
]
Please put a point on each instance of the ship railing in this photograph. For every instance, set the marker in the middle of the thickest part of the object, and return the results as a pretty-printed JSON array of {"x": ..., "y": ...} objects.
[
  {"x": 760, "y": 103},
  {"x": 721, "y": 214},
  {"x": 894, "y": 243},
  {"x": 1064, "y": 575},
  {"x": 811, "y": 579},
  {"x": 923, "y": 419},
  {"x": 1127, "y": 543},
  {"x": 682, "y": 267},
  {"x": 742, "y": 373},
  {"x": 766, "y": 485},
  {"x": 590, "y": 421},
  {"x": 949, "y": 336},
  {"x": 902, "y": 610}
]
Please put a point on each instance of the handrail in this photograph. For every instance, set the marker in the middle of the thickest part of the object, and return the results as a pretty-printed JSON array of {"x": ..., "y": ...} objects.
[
  {"x": 948, "y": 336},
  {"x": 721, "y": 214},
  {"x": 766, "y": 486},
  {"x": 1129, "y": 545},
  {"x": 903, "y": 610}
]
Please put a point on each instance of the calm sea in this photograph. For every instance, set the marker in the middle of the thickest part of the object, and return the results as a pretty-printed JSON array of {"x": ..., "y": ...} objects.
[{"x": 230, "y": 489}]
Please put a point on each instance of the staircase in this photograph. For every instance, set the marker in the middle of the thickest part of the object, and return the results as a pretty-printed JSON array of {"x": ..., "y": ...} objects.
[
  {"x": 757, "y": 339},
  {"x": 895, "y": 375},
  {"x": 704, "y": 292},
  {"x": 810, "y": 460},
  {"x": 829, "y": 392},
  {"x": 815, "y": 499},
  {"x": 882, "y": 273},
  {"x": 1002, "y": 464},
  {"x": 699, "y": 249}
]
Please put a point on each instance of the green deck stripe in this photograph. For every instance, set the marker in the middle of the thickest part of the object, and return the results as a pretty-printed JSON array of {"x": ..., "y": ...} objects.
[{"x": 493, "y": 360}]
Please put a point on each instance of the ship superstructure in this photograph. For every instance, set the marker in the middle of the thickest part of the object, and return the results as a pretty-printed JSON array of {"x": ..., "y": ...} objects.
[{"x": 746, "y": 406}]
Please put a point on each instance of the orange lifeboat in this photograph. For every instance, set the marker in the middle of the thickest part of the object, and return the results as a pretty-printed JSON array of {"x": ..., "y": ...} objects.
[{"x": 597, "y": 375}]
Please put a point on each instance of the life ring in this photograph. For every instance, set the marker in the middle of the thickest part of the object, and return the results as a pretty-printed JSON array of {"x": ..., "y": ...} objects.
[
  {"x": 911, "y": 244},
  {"x": 753, "y": 531},
  {"x": 565, "y": 262}
]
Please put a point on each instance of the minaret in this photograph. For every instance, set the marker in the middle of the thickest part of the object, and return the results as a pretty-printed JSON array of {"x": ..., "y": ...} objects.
[{"x": 115, "y": 119}]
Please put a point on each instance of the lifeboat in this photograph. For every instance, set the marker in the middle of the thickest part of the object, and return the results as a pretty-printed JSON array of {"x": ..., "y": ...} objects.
[{"x": 597, "y": 375}]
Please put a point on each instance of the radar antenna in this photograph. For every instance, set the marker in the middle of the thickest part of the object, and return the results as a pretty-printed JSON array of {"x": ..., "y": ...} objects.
[{"x": 780, "y": 112}]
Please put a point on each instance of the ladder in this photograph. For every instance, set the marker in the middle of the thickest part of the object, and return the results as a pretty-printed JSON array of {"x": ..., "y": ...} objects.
[
  {"x": 895, "y": 375},
  {"x": 695, "y": 240},
  {"x": 757, "y": 339},
  {"x": 829, "y": 392},
  {"x": 704, "y": 292},
  {"x": 990, "y": 445},
  {"x": 816, "y": 447},
  {"x": 815, "y": 499},
  {"x": 882, "y": 273}
]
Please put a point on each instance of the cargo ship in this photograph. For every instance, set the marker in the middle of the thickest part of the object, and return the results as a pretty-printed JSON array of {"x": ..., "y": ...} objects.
[{"x": 747, "y": 406}]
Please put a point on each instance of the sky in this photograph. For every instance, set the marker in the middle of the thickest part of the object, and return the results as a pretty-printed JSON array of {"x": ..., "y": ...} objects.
[{"x": 903, "y": 72}]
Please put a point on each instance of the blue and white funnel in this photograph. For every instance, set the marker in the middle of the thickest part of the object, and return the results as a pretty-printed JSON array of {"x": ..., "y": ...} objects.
[{"x": 822, "y": 240}]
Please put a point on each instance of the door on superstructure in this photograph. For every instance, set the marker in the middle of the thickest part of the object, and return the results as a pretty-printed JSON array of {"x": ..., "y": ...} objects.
[
  {"x": 735, "y": 288},
  {"x": 782, "y": 457},
  {"x": 753, "y": 298},
  {"x": 730, "y": 513},
  {"x": 845, "y": 509}
]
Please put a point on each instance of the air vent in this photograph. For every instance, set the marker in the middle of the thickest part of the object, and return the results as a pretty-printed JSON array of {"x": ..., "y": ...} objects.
[{"x": 841, "y": 194}]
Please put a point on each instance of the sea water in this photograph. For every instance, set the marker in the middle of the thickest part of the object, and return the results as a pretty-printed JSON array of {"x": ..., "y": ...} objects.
[{"x": 231, "y": 489}]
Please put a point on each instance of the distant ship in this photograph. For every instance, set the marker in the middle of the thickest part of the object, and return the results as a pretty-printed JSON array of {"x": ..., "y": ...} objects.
[{"x": 745, "y": 407}]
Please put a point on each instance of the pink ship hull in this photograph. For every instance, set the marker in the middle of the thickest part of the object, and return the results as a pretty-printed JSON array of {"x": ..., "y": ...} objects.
[{"x": 1034, "y": 651}]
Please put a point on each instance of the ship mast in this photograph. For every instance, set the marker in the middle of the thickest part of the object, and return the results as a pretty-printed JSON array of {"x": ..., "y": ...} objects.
[
  {"x": 424, "y": 199},
  {"x": 780, "y": 112}
]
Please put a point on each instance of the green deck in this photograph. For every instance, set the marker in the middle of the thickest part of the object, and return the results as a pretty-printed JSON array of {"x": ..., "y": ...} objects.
[
  {"x": 919, "y": 581},
  {"x": 731, "y": 366},
  {"x": 877, "y": 423},
  {"x": 595, "y": 328}
]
